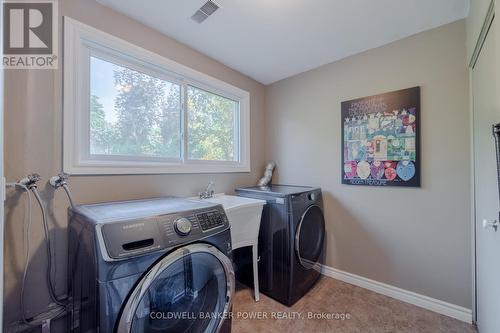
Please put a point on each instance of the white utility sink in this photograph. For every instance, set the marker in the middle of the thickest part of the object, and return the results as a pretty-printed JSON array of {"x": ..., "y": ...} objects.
[{"x": 243, "y": 215}]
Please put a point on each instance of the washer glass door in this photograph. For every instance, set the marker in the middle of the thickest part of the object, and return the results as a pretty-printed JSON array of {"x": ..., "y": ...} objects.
[
  {"x": 189, "y": 290},
  {"x": 310, "y": 236}
]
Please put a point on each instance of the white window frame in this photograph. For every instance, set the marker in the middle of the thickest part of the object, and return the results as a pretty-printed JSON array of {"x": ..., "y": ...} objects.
[{"x": 80, "y": 41}]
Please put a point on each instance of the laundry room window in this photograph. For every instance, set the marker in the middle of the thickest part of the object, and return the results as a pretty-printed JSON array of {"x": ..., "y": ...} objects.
[
  {"x": 133, "y": 113},
  {"x": 212, "y": 126},
  {"x": 130, "y": 111}
]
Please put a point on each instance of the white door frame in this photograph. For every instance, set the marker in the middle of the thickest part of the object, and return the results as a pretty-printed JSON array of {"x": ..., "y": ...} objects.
[
  {"x": 490, "y": 16},
  {"x": 2, "y": 179},
  {"x": 473, "y": 198}
]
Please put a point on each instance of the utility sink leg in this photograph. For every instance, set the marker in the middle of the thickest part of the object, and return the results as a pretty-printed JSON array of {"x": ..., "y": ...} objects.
[{"x": 255, "y": 272}]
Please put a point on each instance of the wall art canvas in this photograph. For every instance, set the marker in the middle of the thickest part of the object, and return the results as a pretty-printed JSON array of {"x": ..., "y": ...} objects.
[{"x": 381, "y": 139}]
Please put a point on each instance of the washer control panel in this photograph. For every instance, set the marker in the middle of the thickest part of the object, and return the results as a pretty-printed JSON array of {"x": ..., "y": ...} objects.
[
  {"x": 184, "y": 227},
  {"x": 134, "y": 237},
  {"x": 210, "y": 220}
]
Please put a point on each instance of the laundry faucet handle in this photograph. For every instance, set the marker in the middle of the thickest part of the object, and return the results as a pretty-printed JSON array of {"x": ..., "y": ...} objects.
[{"x": 209, "y": 191}]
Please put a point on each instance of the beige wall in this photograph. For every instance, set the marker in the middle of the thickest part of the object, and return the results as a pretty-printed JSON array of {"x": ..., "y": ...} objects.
[
  {"x": 417, "y": 239},
  {"x": 33, "y": 117}
]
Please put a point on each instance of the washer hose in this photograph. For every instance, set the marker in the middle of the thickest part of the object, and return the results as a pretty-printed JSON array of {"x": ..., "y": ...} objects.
[
  {"x": 37, "y": 319},
  {"x": 68, "y": 193},
  {"x": 50, "y": 284}
]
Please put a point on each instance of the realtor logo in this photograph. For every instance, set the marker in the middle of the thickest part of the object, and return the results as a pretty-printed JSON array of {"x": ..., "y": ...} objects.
[{"x": 30, "y": 34}]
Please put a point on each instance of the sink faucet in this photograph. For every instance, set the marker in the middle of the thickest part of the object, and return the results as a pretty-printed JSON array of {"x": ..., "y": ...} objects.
[{"x": 209, "y": 191}]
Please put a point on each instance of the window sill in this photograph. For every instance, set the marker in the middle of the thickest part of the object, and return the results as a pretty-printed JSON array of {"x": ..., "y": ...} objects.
[{"x": 153, "y": 168}]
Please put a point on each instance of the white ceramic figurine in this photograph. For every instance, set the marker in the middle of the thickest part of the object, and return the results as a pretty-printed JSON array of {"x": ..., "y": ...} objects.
[{"x": 268, "y": 174}]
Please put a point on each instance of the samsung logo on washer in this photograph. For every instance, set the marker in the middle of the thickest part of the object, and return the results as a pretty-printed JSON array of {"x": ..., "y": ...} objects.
[{"x": 132, "y": 226}]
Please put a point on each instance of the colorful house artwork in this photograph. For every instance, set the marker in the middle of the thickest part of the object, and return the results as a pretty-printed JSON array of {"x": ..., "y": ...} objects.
[
  {"x": 381, "y": 139},
  {"x": 380, "y": 148}
]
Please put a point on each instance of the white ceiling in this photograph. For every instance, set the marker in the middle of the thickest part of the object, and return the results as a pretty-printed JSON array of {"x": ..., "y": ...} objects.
[{"x": 270, "y": 40}]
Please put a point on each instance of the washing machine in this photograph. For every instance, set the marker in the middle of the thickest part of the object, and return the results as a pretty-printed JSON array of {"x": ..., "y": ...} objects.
[
  {"x": 156, "y": 265},
  {"x": 291, "y": 241}
]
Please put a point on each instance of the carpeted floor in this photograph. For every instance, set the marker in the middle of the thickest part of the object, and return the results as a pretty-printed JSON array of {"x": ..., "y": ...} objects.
[{"x": 341, "y": 308}]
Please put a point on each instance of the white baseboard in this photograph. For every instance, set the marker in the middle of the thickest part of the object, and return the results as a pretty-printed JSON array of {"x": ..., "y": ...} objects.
[{"x": 426, "y": 302}]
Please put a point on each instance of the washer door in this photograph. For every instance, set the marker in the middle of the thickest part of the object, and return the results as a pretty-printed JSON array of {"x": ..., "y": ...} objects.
[
  {"x": 309, "y": 237},
  {"x": 189, "y": 290}
]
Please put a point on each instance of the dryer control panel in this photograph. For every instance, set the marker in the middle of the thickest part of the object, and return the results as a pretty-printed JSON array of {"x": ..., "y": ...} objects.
[{"x": 130, "y": 238}]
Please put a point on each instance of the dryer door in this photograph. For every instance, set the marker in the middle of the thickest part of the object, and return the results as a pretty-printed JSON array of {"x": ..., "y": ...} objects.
[
  {"x": 309, "y": 237},
  {"x": 189, "y": 290}
]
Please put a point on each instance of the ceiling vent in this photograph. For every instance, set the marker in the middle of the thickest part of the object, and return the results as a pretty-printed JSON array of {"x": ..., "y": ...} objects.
[{"x": 205, "y": 11}]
